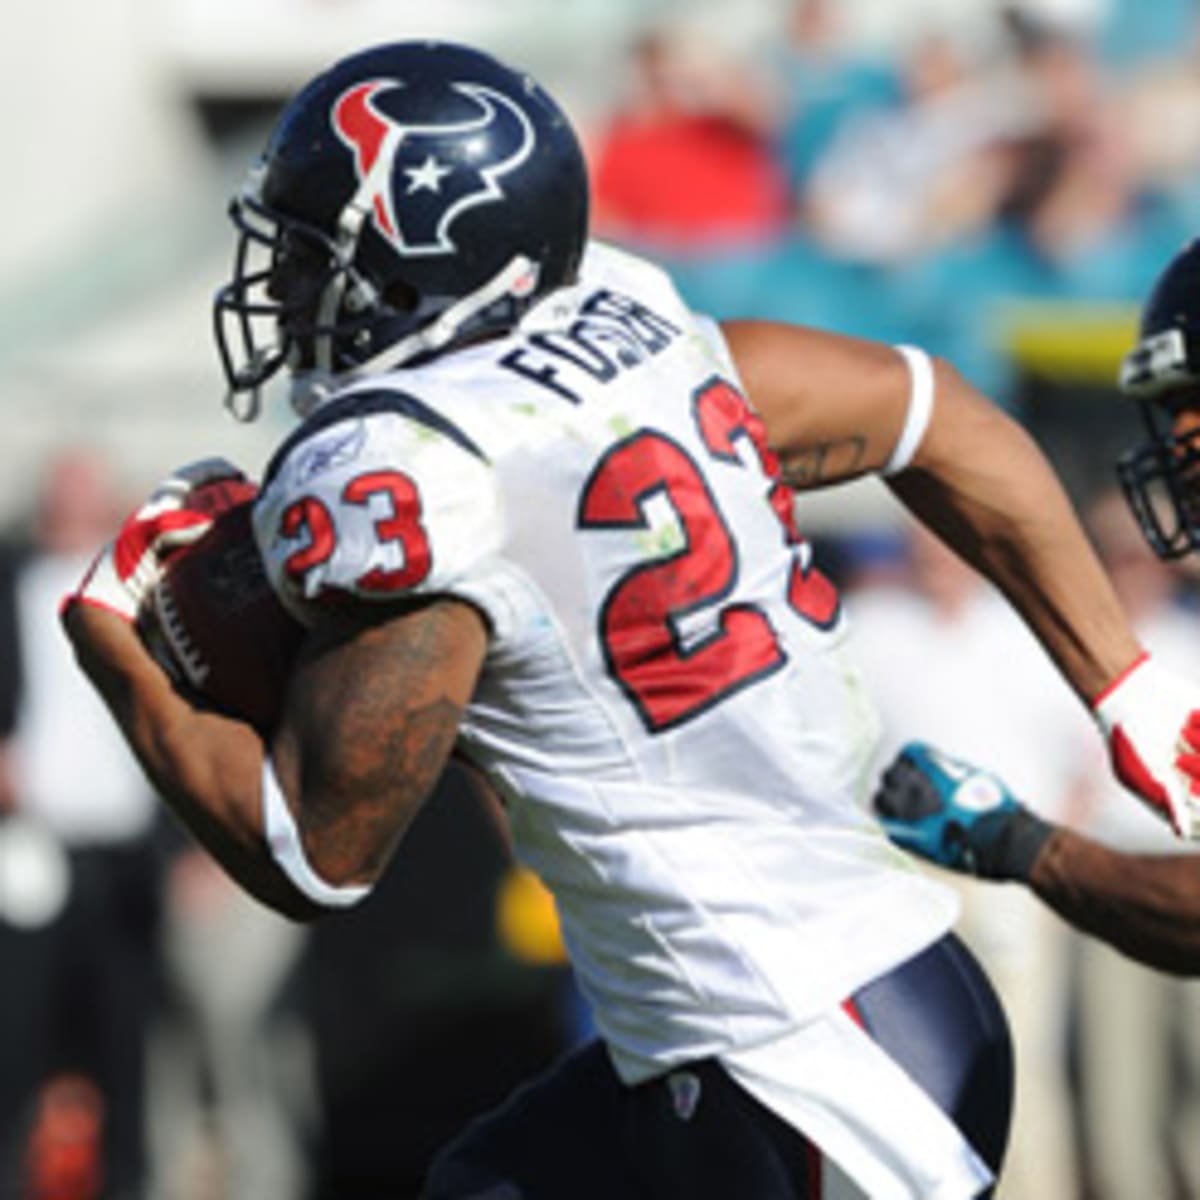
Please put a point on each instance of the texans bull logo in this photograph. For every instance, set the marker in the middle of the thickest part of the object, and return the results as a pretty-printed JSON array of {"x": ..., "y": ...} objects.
[{"x": 418, "y": 179}]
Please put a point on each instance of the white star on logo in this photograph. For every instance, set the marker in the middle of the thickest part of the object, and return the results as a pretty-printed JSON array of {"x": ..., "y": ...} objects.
[{"x": 427, "y": 176}]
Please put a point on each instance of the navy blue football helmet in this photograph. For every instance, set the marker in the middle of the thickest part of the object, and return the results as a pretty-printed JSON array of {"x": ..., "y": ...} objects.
[
  {"x": 411, "y": 198},
  {"x": 1161, "y": 476}
]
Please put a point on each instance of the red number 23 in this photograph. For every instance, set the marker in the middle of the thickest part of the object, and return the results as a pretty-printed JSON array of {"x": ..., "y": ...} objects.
[
  {"x": 310, "y": 519},
  {"x": 666, "y": 682}
]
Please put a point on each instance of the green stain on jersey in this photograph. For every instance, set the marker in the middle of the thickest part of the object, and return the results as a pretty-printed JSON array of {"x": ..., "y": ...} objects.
[{"x": 659, "y": 543}]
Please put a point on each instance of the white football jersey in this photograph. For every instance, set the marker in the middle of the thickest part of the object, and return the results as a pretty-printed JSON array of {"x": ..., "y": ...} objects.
[{"x": 666, "y": 704}]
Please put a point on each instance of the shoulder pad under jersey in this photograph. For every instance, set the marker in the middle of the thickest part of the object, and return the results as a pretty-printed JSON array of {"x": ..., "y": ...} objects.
[{"x": 377, "y": 496}]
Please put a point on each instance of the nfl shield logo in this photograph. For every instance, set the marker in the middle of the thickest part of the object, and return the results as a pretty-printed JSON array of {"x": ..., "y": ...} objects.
[{"x": 685, "y": 1093}]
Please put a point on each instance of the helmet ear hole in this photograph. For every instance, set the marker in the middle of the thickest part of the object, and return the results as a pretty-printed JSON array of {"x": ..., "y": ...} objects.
[{"x": 401, "y": 297}]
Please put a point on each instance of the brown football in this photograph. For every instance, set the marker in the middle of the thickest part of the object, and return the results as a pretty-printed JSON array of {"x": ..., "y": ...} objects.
[{"x": 213, "y": 621}]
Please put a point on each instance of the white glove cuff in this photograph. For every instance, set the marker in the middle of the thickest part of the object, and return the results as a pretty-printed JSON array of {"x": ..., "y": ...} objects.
[
  {"x": 283, "y": 840},
  {"x": 1133, "y": 690},
  {"x": 102, "y": 588}
]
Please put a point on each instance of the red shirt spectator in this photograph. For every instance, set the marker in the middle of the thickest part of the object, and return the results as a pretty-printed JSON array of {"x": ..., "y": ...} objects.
[{"x": 689, "y": 165}]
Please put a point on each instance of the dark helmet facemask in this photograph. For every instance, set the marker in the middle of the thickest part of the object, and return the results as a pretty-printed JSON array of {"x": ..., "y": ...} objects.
[
  {"x": 265, "y": 318},
  {"x": 1161, "y": 475},
  {"x": 296, "y": 299},
  {"x": 1161, "y": 481}
]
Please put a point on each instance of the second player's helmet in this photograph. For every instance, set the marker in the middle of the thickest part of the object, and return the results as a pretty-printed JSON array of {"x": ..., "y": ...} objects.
[
  {"x": 412, "y": 197},
  {"x": 1161, "y": 477}
]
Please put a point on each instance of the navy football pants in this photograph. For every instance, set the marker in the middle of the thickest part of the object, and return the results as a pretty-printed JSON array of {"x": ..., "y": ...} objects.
[{"x": 579, "y": 1133}]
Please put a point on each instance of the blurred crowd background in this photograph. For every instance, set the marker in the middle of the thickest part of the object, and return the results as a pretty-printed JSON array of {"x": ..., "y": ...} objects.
[{"x": 998, "y": 182}]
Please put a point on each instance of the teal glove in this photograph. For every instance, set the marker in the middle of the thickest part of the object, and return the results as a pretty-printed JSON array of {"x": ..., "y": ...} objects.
[{"x": 957, "y": 816}]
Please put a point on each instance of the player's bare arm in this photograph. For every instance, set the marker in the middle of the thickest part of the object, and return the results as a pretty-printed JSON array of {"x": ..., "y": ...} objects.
[
  {"x": 836, "y": 406},
  {"x": 369, "y": 721},
  {"x": 1147, "y": 906},
  {"x": 204, "y": 765},
  {"x": 983, "y": 485},
  {"x": 964, "y": 818}
]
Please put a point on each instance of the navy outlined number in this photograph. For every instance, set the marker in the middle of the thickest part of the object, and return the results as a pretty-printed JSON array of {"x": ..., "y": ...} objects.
[
  {"x": 667, "y": 683},
  {"x": 310, "y": 521},
  {"x": 722, "y": 416}
]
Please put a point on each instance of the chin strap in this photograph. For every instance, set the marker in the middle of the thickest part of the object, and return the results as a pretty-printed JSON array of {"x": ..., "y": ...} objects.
[
  {"x": 311, "y": 387},
  {"x": 518, "y": 279},
  {"x": 308, "y": 389}
]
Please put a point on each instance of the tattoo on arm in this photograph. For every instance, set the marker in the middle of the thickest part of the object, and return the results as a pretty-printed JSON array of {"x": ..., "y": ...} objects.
[
  {"x": 378, "y": 720},
  {"x": 825, "y": 463}
]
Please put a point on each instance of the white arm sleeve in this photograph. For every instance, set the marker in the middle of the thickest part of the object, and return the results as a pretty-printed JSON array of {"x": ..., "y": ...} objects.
[
  {"x": 283, "y": 840},
  {"x": 920, "y": 409}
]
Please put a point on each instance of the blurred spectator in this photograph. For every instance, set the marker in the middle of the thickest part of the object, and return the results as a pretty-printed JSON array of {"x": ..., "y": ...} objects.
[
  {"x": 1077, "y": 182},
  {"x": 687, "y": 163},
  {"x": 1136, "y": 34},
  {"x": 10, "y": 677},
  {"x": 937, "y": 632},
  {"x": 1077, "y": 222},
  {"x": 231, "y": 1079},
  {"x": 1082, "y": 219},
  {"x": 826, "y": 81},
  {"x": 1161, "y": 108},
  {"x": 943, "y": 192},
  {"x": 934, "y": 168},
  {"x": 1137, "y": 1031},
  {"x": 78, "y": 904},
  {"x": 1158, "y": 47}
]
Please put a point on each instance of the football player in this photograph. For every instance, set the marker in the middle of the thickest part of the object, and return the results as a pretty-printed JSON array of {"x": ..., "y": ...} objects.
[
  {"x": 538, "y": 512},
  {"x": 1162, "y": 374},
  {"x": 1148, "y": 906}
]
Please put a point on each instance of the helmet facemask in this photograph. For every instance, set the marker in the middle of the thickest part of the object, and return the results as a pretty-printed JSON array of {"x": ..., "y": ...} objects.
[
  {"x": 298, "y": 299},
  {"x": 1161, "y": 479},
  {"x": 1161, "y": 476}
]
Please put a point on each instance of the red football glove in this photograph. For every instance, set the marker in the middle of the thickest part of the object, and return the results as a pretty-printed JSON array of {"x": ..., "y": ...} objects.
[
  {"x": 1151, "y": 720},
  {"x": 123, "y": 573}
]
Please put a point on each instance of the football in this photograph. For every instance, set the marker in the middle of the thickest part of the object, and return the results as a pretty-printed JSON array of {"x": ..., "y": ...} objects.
[{"x": 212, "y": 620}]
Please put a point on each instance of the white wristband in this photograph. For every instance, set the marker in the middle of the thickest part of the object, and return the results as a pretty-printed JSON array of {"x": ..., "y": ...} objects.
[
  {"x": 283, "y": 840},
  {"x": 920, "y": 409}
]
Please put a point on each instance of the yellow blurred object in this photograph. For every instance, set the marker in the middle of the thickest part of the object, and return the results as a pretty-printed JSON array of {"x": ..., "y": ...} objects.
[
  {"x": 1071, "y": 342},
  {"x": 527, "y": 920}
]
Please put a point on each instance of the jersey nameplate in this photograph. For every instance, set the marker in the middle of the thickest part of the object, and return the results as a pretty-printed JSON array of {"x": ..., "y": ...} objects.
[{"x": 614, "y": 333}]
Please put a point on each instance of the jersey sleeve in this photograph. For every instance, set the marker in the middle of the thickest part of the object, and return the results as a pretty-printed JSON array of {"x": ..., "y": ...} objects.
[{"x": 385, "y": 503}]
